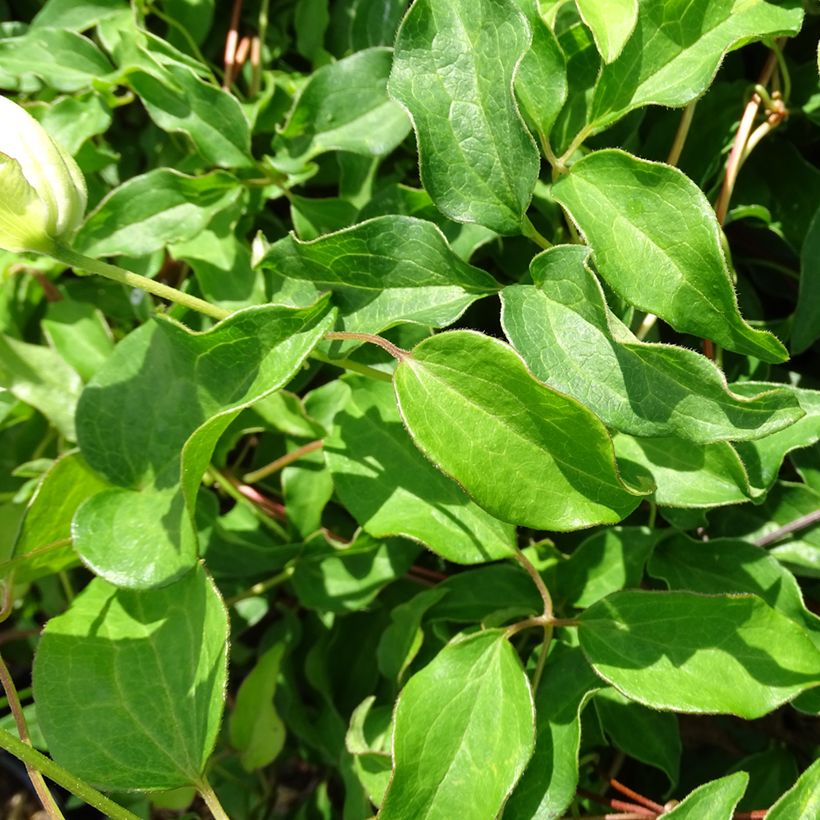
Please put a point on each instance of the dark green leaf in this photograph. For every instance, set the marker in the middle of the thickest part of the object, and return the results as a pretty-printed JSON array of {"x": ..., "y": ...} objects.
[
  {"x": 806, "y": 328},
  {"x": 453, "y": 71}
]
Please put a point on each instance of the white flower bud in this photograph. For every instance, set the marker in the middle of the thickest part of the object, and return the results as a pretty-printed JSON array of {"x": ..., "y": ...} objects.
[{"x": 42, "y": 191}]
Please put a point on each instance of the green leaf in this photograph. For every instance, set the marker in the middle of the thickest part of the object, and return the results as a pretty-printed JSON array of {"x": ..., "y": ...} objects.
[
  {"x": 802, "y": 799},
  {"x": 43, "y": 544},
  {"x": 610, "y": 560},
  {"x": 453, "y": 71},
  {"x": 79, "y": 333},
  {"x": 153, "y": 210},
  {"x": 256, "y": 730},
  {"x": 611, "y": 23},
  {"x": 685, "y": 474},
  {"x": 644, "y": 734},
  {"x": 391, "y": 489},
  {"x": 70, "y": 121},
  {"x": 148, "y": 666},
  {"x": 381, "y": 272},
  {"x": 551, "y": 777},
  {"x": 76, "y": 15},
  {"x": 64, "y": 60},
  {"x": 732, "y": 566},
  {"x": 39, "y": 377},
  {"x": 676, "y": 49},
  {"x": 349, "y": 578},
  {"x": 541, "y": 79},
  {"x": 693, "y": 653},
  {"x": 150, "y": 418},
  {"x": 463, "y": 732},
  {"x": 572, "y": 341},
  {"x": 764, "y": 456},
  {"x": 527, "y": 454},
  {"x": 717, "y": 799},
  {"x": 344, "y": 107},
  {"x": 179, "y": 102},
  {"x": 806, "y": 327},
  {"x": 656, "y": 241}
]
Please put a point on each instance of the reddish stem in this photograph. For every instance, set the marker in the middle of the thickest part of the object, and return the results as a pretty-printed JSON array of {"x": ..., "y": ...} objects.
[{"x": 633, "y": 795}]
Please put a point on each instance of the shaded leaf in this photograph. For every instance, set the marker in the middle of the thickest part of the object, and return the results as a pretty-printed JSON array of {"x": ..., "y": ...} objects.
[{"x": 806, "y": 328}]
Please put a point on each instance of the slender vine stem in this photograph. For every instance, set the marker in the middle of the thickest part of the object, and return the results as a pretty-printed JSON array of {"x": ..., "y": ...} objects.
[
  {"x": 354, "y": 367},
  {"x": 282, "y": 462},
  {"x": 212, "y": 801},
  {"x": 261, "y": 587},
  {"x": 394, "y": 350},
  {"x": 538, "y": 581},
  {"x": 67, "y": 255},
  {"x": 40, "y": 787},
  {"x": 787, "y": 529},
  {"x": 62, "y": 777},
  {"x": 681, "y": 134},
  {"x": 531, "y": 232}
]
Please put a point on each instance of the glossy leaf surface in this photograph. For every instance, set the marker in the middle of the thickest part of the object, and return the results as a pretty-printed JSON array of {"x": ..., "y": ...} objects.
[
  {"x": 453, "y": 71},
  {"x": 572, "y": 341},
  {"x": 656, "y": 241},
  {"x": 717, "y": 799}
]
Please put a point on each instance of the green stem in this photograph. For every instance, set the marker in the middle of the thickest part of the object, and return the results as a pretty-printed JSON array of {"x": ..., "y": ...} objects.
[
  {"x": 230, "y": 489},
  {"x": 62, "y": 777},
  {"x": 531, "y": 232},
  {"x": 538, "y": 581},
  {"x": 354, "y": 367},
  {"x": 70, "y": 257},
  {"x": 261, "y": 587},
  {"x": 212, "y": 801},
  {"x": 681, "y": 134},
  {"x": 282, "y": 462}
]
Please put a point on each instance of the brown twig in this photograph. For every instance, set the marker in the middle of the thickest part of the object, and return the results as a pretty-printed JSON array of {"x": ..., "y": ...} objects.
[
  {"x": 231, "y": 42},
  {"x": 633, "y": 795},
  {"x": 793, "y": 526},
  {"x": 281, "y": 462}
]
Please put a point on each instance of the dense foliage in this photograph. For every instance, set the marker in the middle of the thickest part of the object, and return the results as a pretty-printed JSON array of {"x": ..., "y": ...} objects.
[{"x": 422, "y": 418}]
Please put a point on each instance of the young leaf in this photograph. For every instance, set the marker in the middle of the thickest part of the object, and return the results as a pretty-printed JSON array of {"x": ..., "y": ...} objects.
[
  {"x": 676, "y": 50},
  {"x": 571, "y": 340},
  {"x": 716, "y": 800},
  {"x": 391, "y": 489},
  {"x": 463, "y": 732},
  {"x": 344, "y": 107},
  {"x": 527, "y": 454},
  {"x": 611, "y": 23},
  {"x": 453, "y": 71},
  {"x": 695, "y": 653},
  {"x": 381, "y": 272},
  {"x": 148, "y": 666},
  {"x": 656, "y": 241},
  {"x": 551, "y": 777}
]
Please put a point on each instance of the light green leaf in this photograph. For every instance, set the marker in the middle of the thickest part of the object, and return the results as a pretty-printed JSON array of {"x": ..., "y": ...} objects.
[
  {"x": 644, "y": 734},
  {"x": 64, "y": 60},
  {"x": 39, "y": 377},
  {"x": 716, "y": 800},
  {"x": 453, "y": 71},
  {"x": 149, "y": 420},
  {"x": 79, "y": 333},
  {"x": 463, "y": 732},
  {"x": 572, "y": 341},
  {"x": 551, "y": 777},
  {"x": 70, "y": 121},
  {"x": 148, "y": 666},
  {"x": 256, "y": 730},
  {"x": 43, "y": 544},
  {"x": 724, "y": 565},
  {"x": 180, "y": 102},
  {"x": 391, "y": 489},
  {"x": 541, "y": 79},
  {"x": 386, "y": 270},
  {"x": 685, "y": 474},
  {"x": 344, "y": 107},
  {"x": 527, "y": 454},
  {"x": 656, "y": 241},
  {"x": 802, "y": 799},
  {"x": 677, "y": 47},
  {"x": 611, "y": 23},
  {"x": 76, "y": 15},
  {"x": 153, "y": 210},
  {"x": 764, "y": 456},
  {"x": 694, "y": 653},
  {"x": 806, "y": 327}
]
